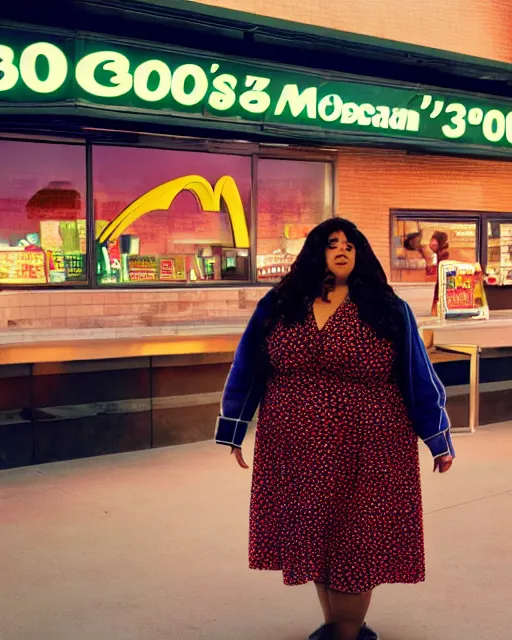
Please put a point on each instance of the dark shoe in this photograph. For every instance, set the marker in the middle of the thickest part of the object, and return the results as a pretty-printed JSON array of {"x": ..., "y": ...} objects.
[
  {"x": 367, "y": 634},
  {"x": 325, "y": 632}
]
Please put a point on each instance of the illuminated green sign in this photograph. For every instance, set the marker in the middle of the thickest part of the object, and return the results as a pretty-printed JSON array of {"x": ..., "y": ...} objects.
[{"x": 54, "y": 70}]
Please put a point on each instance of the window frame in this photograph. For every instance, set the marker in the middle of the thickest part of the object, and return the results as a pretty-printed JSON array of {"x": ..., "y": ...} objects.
[
  {"x": 280, "y": 154},
  {"x": 488, "y": 217},
  {"x": 90, "y": 137},
  {"x": 69, "y": 285},
  {"x": 465, "y": 216},
  {"x": 193, "y": 145}
]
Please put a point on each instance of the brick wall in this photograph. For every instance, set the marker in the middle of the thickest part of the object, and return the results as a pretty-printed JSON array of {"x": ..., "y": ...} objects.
[
  {"x": 371, "y": 182},
  {"x": 473, "y": 27}
]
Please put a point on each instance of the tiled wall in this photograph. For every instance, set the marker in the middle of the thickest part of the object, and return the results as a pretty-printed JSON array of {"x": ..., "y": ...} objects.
[
  {"x": 473, "y": 27},
  {"x": 113, "y": 309},
  {"x": 63, "y": 310}
]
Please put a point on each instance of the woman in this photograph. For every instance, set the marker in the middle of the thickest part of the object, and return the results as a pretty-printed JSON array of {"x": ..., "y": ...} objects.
[
  {"x": 345, "y": 386},
  {"x": 436, "y": 252},
  {"x": 440, "y": 247}
]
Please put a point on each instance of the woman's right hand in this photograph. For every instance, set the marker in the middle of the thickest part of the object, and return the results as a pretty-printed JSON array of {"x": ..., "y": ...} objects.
[
  {"x": 443, "y": 463},
  {"x": 239, "y": 457}
]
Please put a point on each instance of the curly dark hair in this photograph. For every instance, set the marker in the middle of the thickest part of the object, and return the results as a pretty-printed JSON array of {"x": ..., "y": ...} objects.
[
  {"x": 410, "y": 238},
  {"x": 442, "y": 240},
  {"x": 376, "y": 301}
]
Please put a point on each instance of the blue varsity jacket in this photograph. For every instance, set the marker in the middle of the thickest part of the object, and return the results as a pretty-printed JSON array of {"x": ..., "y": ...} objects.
[{"x": 423, "y": 392}]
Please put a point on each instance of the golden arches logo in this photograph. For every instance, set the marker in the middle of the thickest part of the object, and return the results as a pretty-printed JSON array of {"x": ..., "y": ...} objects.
[{"x": 210, "y": 199}]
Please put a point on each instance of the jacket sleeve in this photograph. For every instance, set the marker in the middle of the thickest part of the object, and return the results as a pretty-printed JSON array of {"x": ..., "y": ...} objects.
[
  {"x": 427, "y": 394},
  {"x": 244, "y": 386}
]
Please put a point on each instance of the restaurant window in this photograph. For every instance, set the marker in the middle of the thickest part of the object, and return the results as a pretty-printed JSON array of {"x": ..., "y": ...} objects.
[
  {"x": 293, "y": 197},
  {"x": 42, "y": 213},
  {"x": 170, "y": 216},
  {"x": 420, "y": 242},
  {"x": 499, "y": 252}
]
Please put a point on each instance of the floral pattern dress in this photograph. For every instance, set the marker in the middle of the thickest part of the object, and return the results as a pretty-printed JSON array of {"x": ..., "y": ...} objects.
[{"x": 336, "y": 496}]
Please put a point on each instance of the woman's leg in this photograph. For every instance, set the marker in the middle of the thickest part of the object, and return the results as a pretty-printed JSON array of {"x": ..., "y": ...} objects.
[
  {"x": 348, "y": 612},
  {"x": 323, "y": 596}
]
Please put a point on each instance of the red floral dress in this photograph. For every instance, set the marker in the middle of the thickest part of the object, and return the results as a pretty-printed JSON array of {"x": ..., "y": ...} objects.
[{"x": 336, "y": 494}]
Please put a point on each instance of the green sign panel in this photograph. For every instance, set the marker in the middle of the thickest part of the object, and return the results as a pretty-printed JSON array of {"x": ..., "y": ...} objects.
[{"x": 49, "y": 69}]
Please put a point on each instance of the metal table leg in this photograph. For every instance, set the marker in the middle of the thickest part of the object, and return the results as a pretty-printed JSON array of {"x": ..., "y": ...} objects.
[{"x": 473, "y": 351}]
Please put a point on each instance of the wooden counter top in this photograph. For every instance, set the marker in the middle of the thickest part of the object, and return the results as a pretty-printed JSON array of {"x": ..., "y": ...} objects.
[{"x": 67, "y": 351}]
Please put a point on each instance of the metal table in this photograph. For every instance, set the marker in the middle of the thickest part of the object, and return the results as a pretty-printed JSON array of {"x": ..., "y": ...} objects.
[{"x": 469, "y": 338}]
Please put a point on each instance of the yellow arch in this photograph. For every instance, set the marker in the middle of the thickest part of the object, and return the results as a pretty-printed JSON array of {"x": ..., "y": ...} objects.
[{"x": 161, "y": 198}]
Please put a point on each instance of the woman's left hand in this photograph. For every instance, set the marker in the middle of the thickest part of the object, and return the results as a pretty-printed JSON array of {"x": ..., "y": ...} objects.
[{"x": 443, "y": 463}]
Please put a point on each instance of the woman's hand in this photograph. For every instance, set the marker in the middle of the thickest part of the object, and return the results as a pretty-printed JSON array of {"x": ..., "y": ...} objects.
[
  {"x": 443, "y": 463},
  {"x": 239, "y": 457}
]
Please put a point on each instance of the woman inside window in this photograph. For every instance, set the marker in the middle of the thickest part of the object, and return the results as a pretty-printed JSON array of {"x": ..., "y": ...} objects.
[
  {"x": 335, "y": 360},
  {"x": 440, "y": 247},
  {"x": 436, "y": 252}
]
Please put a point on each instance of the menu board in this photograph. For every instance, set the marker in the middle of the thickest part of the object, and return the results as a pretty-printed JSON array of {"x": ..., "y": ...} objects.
[
  {"x": 273, "y": 266},
  {"x": 142, "y": 268},
  {"x": 499, "y": 260},
  {"x": 461, "y": 291},
  {"x": 173, "y": 269},
  {"x": 506, "y": 253},
  {"x": 57, "y": 262},
  {"x": 23, "y": 267},
  {"x": 74, "y": 264},
  {"x": 57, "y": 267}
]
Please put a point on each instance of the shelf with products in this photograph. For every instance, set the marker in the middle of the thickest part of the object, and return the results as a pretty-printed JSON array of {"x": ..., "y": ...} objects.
[
  {"x": 125, "y": 261},
  {"x": 54, "y": 254}
]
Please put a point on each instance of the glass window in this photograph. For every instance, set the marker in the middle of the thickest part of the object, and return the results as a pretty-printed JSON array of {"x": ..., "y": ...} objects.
[
  {"x": 293, "y": 197},
  {"x": 42, "y": 213},
  {"x": 419, "y": 244},
  {"x": 499, "y": 252},
  {"x": 170, "y": 216}
]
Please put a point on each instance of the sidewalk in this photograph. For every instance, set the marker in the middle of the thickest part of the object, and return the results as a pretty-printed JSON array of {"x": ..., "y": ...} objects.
[{"x": 152, "y": 546}]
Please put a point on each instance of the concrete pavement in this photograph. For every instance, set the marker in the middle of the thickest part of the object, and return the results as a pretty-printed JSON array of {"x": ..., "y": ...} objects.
[{"x": 152, "y": 546}]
